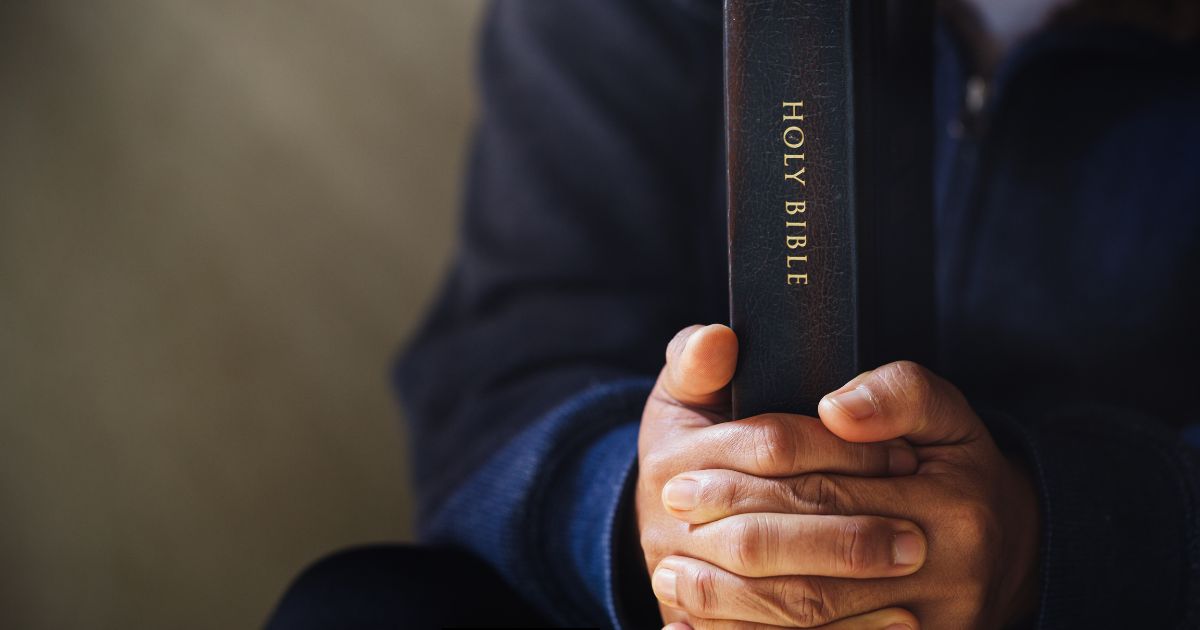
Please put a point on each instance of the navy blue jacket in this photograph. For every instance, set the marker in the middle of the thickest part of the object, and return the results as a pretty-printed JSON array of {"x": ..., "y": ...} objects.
[{"x": 594, "y": 229}]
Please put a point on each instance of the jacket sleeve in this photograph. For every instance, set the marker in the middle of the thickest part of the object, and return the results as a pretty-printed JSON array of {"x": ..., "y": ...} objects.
[
  {"x": 586, "y": 242},
  {"x": 1120, "y": 510}
]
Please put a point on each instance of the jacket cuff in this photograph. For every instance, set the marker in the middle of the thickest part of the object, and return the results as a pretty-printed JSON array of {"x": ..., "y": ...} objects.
[
  {"x": 545, "y": 510},
  {"x": 1119, "y": 519}
]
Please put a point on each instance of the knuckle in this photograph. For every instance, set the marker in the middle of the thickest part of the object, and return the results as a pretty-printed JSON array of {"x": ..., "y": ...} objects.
[
  {"x": 975, "y": 596},
  {"x": 705, "y": 589},
  {"x": 746, "y": 542},
  {"x": 723, "y": 493},
  {"x": 909, "y": 372},
  {"x": 974, "y": 523},
  {"x": 655, "y": 541},
  {"x": 650, "y": 548},
  {"x": 657, "y": 467},
  {"x": 804, "y": 603},
  {"x": 967, "y": 602},
  {"x": 817, "y": 494},
  {"x": 774, "y": 448},
  {"x": 907, "y": 382},
  {"x": 853, "y": 549}
]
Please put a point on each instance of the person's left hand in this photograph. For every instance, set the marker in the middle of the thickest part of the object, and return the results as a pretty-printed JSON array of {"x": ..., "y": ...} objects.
[{"x": 977, "y": 508}]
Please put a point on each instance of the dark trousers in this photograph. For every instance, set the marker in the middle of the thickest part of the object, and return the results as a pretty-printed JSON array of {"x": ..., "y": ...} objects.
[{"x": 378, "y": 587}]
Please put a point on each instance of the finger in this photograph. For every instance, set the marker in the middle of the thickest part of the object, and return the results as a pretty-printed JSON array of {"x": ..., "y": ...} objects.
[
  {"x": 704, "y": 496},
  {"x": 700, "y": 364},
  {"x": 693, "y": 387},
  {"x": 708, "y": 593},
  {"x": 722, "y": 494},
  {"x": 886, "y": 619},
  {"x": 783, "y": 445},
  {"x": 889, "y": 619},
  {"x": 720, "y": 624},
  {"x": 672, "y": 617},
  {"x": 725, "y": 624},
  {"x": 765, "y": 544},
  {"x": 900, "y": 399}
]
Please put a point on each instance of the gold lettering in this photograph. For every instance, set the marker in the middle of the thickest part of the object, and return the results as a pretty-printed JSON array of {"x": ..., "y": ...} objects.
[
  {"x": 798, "y": 135},
  {"x": 797, "y": 176},
  {"x": 794, "y": 114},
  {"x": 795, "y": 169}
]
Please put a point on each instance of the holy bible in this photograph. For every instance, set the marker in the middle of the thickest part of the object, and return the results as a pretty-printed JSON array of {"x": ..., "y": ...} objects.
[{"x": 828, "y": 107}]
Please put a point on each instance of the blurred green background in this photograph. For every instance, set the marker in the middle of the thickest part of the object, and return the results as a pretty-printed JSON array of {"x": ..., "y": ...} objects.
[{"x": 218, "y": 221}]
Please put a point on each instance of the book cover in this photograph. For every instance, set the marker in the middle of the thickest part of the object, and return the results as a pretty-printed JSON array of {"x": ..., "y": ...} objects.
[{"x": 829, "y": 148}]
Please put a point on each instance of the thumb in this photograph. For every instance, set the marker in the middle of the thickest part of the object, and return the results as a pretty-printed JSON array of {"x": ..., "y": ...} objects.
[
  {"x": 900, "y": 400},
  {"x": 700, "y": 364}
]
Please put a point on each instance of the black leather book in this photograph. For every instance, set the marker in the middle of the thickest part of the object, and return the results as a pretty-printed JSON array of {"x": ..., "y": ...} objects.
[{"x": 829, "y": 139}]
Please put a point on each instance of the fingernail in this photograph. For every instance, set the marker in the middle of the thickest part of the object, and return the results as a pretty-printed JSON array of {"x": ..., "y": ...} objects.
[
  {"x": 856, "y": 402},
  {"x": 663, "y": 583},
  {"x": 898, "y": 626},
  {"x": 901, "y": 461},
  {"x": 682, "y": 494},
  {"x": 907, "y": 549}
]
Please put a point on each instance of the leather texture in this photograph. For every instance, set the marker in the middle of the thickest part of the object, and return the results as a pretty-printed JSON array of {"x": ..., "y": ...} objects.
[{"x": 863, "y": 71}]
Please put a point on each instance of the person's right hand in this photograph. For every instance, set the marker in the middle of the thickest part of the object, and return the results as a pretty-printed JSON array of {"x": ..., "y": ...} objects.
[{"x": 683, "y": 430}]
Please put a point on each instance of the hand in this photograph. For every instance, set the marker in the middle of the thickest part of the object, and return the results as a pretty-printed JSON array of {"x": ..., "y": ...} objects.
[
  {"x": 977, "y": 509},
  {"x": 682, "y": 430}
]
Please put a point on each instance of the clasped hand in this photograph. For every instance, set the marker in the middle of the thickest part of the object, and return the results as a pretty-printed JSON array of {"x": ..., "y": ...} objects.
[{"x": 893, "y": 510}]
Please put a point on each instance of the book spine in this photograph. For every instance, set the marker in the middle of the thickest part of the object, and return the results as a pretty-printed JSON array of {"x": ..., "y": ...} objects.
[{"x": 820, "y": 287}]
